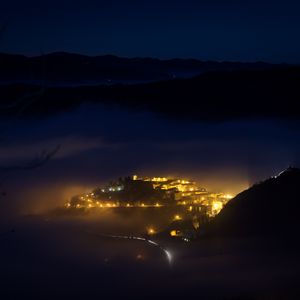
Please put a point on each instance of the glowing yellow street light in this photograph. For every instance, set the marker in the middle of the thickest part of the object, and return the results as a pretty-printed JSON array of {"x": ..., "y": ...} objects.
[
  {"x": 177, "y": 218},
  {"x": 173, "y": 233},
  {"x": 151, "y": 231}
]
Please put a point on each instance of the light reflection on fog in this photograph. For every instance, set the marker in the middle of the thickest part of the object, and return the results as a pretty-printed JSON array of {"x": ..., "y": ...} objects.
[{"x": 99, "y": 144}]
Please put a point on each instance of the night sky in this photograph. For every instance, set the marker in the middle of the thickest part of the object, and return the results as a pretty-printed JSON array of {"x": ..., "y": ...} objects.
[{"x": 207, "y": 29}]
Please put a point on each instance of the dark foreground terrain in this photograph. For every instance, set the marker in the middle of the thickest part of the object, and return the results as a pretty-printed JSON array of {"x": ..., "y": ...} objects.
[{"x": 44, "y": 258}]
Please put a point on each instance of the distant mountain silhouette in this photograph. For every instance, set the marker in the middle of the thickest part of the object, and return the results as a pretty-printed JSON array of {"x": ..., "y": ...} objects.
[
  {"x": 267, "y": 208},
  {"x": 218, "y": 95},
  {"x": 63, "y": 68}
]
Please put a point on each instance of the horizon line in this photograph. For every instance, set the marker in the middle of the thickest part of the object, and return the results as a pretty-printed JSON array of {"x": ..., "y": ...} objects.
[{"x": 149, "y": 57}]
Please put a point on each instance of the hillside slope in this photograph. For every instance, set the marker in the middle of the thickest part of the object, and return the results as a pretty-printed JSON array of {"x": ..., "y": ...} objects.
[{"x": 268, "y": 208}]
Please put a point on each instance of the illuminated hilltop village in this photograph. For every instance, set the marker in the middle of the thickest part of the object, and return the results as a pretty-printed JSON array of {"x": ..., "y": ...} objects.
[{"x": 152, "y": 192}]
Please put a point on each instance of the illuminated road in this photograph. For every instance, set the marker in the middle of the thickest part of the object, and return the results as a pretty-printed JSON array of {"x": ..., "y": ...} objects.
[{"x": 165, "y": 251}]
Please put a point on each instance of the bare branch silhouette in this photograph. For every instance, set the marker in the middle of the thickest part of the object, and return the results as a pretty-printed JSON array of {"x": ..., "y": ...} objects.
[
  {"x": 39, "y": 161},
  {"x": 18, "y": 106},
  {"x": 23, "y": 101}
]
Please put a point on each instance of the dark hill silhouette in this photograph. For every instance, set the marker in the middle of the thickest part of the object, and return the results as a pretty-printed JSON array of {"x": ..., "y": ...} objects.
[
  {"x": 210, "y": 96},
  {"x": 267, "y": 208},
  {"x": 61, "y": 67}
]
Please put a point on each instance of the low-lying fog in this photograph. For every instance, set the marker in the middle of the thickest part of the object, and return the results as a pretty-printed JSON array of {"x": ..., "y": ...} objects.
[
  {"x": 45, "y": 255},
  {"x": 98, "y": 144},
  {"x": 68, "y": 257}
]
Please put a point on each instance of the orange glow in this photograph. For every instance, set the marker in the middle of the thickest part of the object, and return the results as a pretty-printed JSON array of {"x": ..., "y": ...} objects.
[
  {"x": 173, "y": 233},
  {"x": 151, "y": 231}
]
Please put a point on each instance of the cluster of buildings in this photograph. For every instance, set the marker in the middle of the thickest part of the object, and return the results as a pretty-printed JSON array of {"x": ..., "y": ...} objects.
[{"x": 156, "y": 192}]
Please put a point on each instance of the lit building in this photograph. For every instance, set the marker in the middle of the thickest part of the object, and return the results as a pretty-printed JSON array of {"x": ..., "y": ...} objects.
[{"x": 152, "y": 192}]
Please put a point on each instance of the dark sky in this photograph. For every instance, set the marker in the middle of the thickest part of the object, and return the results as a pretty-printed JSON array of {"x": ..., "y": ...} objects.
[{"x": 208, "y": 29}]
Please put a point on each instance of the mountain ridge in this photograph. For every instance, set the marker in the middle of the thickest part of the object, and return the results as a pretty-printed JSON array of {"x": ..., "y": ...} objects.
[
  {"x": 268, "y": 208},
  {"x": 64, "y": 66}
]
